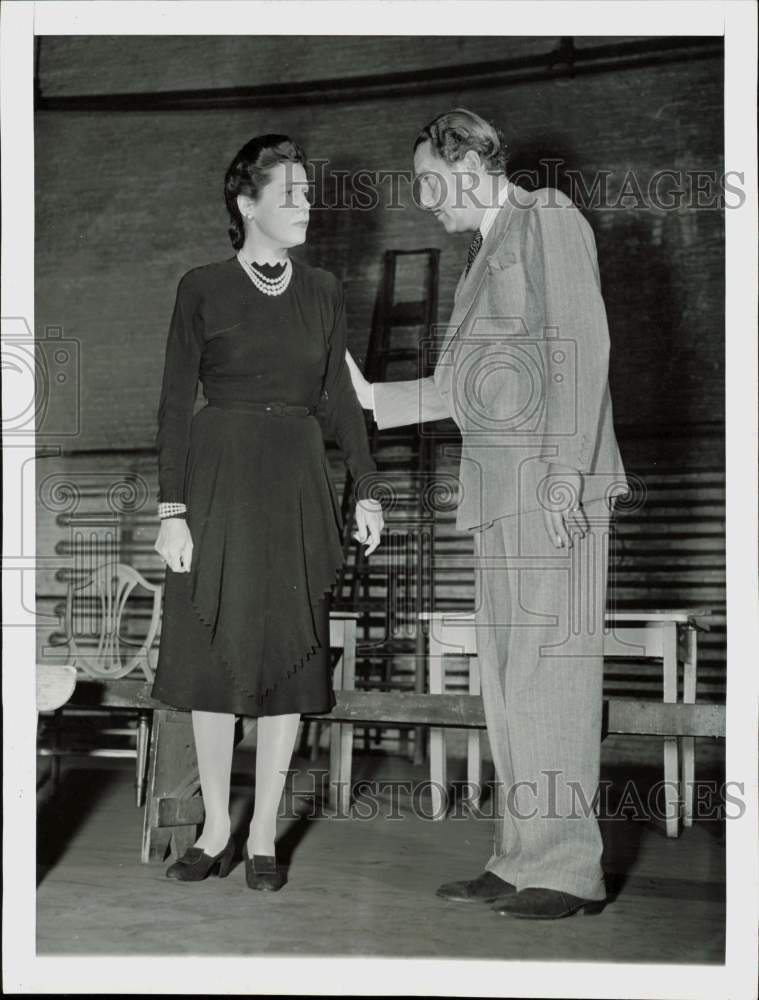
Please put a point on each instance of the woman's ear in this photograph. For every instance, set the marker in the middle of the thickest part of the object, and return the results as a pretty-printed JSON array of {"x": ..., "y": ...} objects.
[{"x": 246, "y": 205}]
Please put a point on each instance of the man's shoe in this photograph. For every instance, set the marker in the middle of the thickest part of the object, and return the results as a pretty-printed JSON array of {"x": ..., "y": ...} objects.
[
  {"x": 546, "y": 904},
  {"x": 486, "y": 888}
]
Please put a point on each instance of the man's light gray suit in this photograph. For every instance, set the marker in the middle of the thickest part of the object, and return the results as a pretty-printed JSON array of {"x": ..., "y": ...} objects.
[{"x": 523, "y": 371}]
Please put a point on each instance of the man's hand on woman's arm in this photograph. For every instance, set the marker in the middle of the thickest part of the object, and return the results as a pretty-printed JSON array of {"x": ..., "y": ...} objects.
[{"x": 362, "y": 387}]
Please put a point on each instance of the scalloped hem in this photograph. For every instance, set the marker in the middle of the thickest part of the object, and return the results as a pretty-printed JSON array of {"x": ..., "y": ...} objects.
[{"x": 261, "y": 697}]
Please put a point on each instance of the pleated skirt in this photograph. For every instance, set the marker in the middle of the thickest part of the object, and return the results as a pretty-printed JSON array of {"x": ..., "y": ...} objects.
[{"x": 246, "y": 630}]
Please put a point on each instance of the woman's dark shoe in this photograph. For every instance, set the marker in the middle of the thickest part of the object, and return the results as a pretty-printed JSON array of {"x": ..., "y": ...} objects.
[
  {"x": 546, "y": 904},
  {"x": 195, "y": 864},
  {"x": 262, "y": 872}
]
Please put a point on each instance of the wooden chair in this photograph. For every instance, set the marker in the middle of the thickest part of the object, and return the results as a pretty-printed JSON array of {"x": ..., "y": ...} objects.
[{"x": 99, "y": 647}]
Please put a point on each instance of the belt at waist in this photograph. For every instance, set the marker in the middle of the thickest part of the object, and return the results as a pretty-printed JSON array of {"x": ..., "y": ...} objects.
[{"x": 274, "y": 409}]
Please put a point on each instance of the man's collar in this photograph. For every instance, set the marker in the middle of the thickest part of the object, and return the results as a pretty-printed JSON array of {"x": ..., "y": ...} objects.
[{"x": 490, "y": 213}]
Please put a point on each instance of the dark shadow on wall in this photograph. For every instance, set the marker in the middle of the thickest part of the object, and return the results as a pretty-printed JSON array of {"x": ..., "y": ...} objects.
[
  {"x": 635, "y": 263},
  {"x": 345, "y": 231},
  {"x": 350, "y": 229},
  {"x": 645, "y": 367},
  {"x": 543, "y": 162}
]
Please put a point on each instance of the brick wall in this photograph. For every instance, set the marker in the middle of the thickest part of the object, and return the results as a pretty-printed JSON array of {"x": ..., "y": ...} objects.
[{"x": 126, "y": 202}]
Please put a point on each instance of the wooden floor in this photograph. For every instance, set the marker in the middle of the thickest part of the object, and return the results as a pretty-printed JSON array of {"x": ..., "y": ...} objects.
[{"x": 361, "y": 886}]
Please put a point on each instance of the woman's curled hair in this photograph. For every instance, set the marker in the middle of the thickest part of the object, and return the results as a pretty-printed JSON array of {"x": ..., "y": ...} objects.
[{"x": 249, "y": 173}]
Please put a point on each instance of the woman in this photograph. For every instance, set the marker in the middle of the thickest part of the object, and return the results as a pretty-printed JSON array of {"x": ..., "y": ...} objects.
[{"x": 250, "y": 523}]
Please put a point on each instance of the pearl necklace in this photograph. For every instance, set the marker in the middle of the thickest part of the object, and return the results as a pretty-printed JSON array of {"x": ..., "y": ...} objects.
[{"x": 269, "y": 286}]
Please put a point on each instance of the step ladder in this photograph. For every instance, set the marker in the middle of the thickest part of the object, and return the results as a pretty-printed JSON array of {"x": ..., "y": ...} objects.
[{"x": 390, "y": 590}]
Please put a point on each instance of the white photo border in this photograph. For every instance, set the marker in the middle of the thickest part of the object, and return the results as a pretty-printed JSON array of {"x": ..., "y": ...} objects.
[{"x": 24, "y": 972}]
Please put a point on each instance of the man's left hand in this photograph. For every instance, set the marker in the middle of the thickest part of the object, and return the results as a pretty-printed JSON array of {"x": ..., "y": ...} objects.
[{"x": 562, "y": 522}]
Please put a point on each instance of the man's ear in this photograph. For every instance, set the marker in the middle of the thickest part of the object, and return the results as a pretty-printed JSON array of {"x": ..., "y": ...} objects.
[{"x": 472, "y": 161}]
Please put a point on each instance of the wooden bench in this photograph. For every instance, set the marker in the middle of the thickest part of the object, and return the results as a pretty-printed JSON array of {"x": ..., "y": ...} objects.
[
  {"x": 667, "y": 552},
  {"x": 669, "y": 635},
  {"x": 174, "y": 809}
]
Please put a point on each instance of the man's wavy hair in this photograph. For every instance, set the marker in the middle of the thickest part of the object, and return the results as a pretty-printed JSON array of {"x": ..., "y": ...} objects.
[{"x": 455, "y": 132}]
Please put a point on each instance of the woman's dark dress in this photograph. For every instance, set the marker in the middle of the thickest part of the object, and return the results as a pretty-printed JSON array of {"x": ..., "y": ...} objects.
[{"x": 246, "y": 631}]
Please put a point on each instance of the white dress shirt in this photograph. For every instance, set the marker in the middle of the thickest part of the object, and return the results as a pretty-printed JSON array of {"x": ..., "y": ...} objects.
[
  {"x": 490, "y": 213},
  {"x": 485, "y": 224}
]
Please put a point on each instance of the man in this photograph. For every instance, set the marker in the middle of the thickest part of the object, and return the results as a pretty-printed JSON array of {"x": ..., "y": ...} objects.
[{"x": 523, "y": 372}]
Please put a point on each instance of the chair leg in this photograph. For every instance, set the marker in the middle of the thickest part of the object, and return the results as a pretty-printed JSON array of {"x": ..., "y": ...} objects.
[
  {"x": 172, "y": 770},
  {"x": 335, "y": 797},
  {"x": 687, "y": 743},
  {"x": 437, "y": 747},
  {"x": 182, "y": 837},
  {"x": 671, "y": 748},
  {"x": 305, "y": 730},
  {"x": 55, "y": 760},
  {"x": 315, "y": 732},
  {"x": 474, "y": 756},
  {"x": 346, "y": 728},
  {"x": 143, "y": 739},
  {"x": 420, "y": 682}
]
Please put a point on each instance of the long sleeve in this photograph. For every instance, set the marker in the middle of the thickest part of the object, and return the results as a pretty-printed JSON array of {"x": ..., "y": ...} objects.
[
  {"x": 399, "y": 403},
  {"x": 340, "y": 412},
  {"x": 577, "y": 360},
  {"x": 184, "y": 346}
]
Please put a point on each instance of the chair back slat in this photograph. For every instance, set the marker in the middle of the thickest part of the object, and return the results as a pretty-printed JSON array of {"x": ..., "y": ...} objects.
[{"x": 95, "y": 610}]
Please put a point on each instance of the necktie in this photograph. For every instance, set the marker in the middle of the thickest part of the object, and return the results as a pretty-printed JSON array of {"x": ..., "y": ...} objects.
[{"x": 474, "y": 249}]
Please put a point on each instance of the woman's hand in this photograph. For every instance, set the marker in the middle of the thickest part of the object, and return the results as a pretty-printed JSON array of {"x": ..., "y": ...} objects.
[
  {"x": 362, "y": 387},
  {"x": 174, "y": 544},
  {"x": 370, "y": 523}
]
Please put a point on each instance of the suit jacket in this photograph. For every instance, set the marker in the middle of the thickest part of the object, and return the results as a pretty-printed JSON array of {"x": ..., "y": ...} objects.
[{"x": 523, "y": 367}]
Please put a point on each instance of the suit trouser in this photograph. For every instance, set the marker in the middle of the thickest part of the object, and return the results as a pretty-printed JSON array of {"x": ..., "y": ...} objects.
[{"x": 539, "y": 616}]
